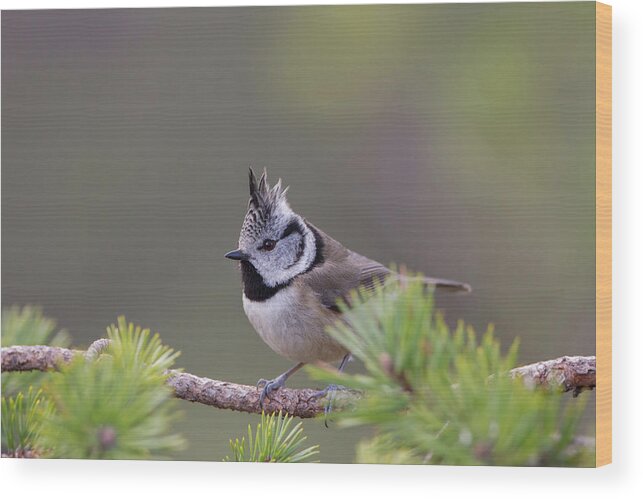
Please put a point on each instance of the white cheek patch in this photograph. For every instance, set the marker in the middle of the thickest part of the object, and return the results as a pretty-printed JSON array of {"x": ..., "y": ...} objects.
[
  {"x": 274, "y": 274},
  {"x": 297, "y": 251}
]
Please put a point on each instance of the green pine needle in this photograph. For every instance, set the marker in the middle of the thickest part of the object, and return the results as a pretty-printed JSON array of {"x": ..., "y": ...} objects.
[
  {"x": 118, "y": 406},
  {"x": 137, "y": 351},
  {"x": 28, "y": 326},
  {"x": 22, "y": 419},
  {"x": 443, "y": 397},
  {"x": 274, "y": 442}
]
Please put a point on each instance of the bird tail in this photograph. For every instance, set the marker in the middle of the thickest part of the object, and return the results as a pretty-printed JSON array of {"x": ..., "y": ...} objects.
[
  {"x": 436, "y": 283},
  {"x": 447, "y": 285}
]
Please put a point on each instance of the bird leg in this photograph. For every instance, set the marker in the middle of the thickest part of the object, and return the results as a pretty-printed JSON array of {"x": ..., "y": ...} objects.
[
  {"x": 330, "y": 390},
  {"x": 270, "y": 386}
]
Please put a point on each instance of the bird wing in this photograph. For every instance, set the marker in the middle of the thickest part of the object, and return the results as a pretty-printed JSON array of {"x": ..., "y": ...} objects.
[
  {"x": 343, "y": 271},
  {"x": 373, "y": 273}
]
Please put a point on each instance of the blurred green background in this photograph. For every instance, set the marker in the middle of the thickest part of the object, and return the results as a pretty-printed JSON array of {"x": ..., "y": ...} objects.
[{"x": 456, "y": 139}]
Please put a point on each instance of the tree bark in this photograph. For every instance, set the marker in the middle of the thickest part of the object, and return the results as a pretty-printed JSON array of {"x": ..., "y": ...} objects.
[
  {"x": 567, "y": 373},
  {"x": 303, "y": 403}
]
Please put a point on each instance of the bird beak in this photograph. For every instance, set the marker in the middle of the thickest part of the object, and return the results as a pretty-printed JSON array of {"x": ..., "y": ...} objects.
[{"x": 236, "y": 255}]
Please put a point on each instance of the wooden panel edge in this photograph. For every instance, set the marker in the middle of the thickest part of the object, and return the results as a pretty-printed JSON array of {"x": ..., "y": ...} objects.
[{"x": 603, "y": 234}]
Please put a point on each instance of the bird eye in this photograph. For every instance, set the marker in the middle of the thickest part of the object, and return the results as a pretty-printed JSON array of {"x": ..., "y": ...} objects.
[{"x": 268, "y": 245}]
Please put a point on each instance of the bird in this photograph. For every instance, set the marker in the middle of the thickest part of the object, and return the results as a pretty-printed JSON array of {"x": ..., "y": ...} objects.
[{"x": 293, "y": 276}]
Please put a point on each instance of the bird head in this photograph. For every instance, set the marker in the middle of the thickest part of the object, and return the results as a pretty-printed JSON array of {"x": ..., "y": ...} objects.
[{"x": 274, "y": 240}]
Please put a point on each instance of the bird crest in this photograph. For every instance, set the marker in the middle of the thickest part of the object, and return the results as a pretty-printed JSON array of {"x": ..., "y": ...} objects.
[{"x": 264, "y": 203}]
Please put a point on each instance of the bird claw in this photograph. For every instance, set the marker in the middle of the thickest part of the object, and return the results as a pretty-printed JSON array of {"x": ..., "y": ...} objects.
[
  {"x": 329, "y": 391},
  {"x": 269, "y": 386}
]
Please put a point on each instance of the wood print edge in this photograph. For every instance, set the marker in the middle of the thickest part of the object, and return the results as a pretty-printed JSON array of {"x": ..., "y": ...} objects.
[{"x": 603, "y": 234}]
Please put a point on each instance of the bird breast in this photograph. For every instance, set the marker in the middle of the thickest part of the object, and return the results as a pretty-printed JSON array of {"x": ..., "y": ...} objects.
[{"x": 293, "y": 324}]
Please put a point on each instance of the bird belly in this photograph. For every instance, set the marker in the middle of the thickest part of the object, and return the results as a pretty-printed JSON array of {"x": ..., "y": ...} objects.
[{"x": 294, "y": 328}]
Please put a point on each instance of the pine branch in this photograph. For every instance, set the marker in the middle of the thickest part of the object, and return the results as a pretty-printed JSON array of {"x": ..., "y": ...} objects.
[
  {"x": 568, "y": 373},
  {"x": 302, "y": 403}
]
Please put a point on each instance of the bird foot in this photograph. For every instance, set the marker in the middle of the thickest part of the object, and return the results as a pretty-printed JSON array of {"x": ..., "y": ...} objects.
[
  {"x": 269, "y": 386},
  {"x": 329, "y": 391}
]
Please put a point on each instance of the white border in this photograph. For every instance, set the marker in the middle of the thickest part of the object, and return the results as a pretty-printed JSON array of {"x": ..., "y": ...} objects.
[
  {"x": 97, "y": 4},
  {"x": 70, "y": 479}
]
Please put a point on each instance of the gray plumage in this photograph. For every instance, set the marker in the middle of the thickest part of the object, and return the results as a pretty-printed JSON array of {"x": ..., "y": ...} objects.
[{"x": 293, "y": 276}]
